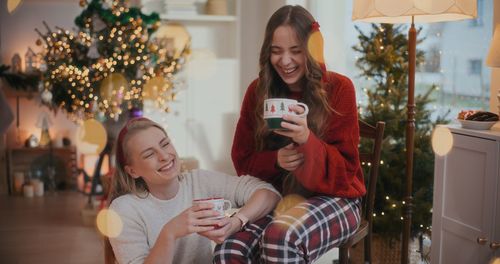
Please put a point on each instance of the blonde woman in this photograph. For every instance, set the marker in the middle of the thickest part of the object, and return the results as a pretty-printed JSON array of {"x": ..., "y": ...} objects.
[{"x": 155, "y": 201}]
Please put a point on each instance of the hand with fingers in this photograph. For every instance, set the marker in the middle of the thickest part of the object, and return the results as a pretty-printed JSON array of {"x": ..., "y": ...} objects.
[
  {"x": 295, "y": 126},
  {"x": 195, "y": 219},
  {"x": 224, "y": 228},
  {"x": 289, "y": 158}
]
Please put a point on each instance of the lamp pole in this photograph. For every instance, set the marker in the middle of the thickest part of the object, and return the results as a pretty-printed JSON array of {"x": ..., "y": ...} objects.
[{"x": 410, "y": 133}]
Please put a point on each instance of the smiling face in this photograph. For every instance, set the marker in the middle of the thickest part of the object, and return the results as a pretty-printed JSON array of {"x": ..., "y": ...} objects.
[
  {"x": 152, "y": 157},
  {"x": 288, "y": 57}
]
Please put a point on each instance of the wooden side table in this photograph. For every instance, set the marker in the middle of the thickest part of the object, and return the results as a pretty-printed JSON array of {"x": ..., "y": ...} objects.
[{"x": 37, "y": 163}]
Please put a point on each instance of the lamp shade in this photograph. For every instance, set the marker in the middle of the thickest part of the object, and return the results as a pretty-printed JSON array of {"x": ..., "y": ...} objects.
[
  {"x": 493, "y": 59},
  {"x": 423, "y": 11}
]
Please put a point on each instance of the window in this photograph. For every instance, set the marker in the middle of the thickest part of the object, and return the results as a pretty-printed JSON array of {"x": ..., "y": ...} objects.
[
  {"x": 478, "y": 22},
  {"x": 432, "y": 60},
  {"x": 475, "y": 67},
  {"x": 454, "y": 52}
]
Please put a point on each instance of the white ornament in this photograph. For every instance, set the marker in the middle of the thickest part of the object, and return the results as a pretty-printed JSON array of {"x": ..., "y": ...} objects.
[
  {"x": 93, "y": 53},
  {"x": 97, "y": 23},
  {"x": 43, "y": 66},
  {"x": 46, "y": 96}
]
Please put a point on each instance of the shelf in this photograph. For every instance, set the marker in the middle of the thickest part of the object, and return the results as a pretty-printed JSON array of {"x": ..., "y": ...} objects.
[
  {"x": 13, "y": 93},
  {"x": 206, "y": 18}
]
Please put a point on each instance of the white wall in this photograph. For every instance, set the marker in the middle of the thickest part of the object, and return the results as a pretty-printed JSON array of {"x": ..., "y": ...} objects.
[
  {"x": 203, "y": 119},
  {"x": 18, "y": 29},
  {"x": 254, "y": 17}
]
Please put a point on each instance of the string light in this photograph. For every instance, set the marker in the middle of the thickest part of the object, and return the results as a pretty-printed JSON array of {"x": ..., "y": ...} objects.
[{"x": 67, "y": 70}]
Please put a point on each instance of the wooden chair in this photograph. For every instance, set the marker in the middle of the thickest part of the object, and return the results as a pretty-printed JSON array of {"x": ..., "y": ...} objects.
[{"x": 365, "y": 229}]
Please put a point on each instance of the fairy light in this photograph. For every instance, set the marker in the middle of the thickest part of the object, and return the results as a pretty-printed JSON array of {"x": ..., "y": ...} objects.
[{"x": 131, "y": 52}]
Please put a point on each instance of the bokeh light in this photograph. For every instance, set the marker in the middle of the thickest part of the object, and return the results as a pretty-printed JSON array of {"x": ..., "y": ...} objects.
[
  {"x": 288, "y": 202},
  {"x": 315, "y": 46},
  {"x": 113, "y": 87},
  {"x": 442, "y": 140},
  {"x": 109, "y": 223},
  {"x": 12, "y": 5},
  {"x": 174, "y": 38},
  {"x": 91, "y": 137},
  {"x": 154, "y": 87},
  {"x": 495, "y": 260}
]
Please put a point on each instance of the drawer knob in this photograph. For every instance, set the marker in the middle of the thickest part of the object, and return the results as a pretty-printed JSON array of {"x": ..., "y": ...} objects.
[
  {"x": 494, "y": 245},
  {"x": 482, "y": 240}
]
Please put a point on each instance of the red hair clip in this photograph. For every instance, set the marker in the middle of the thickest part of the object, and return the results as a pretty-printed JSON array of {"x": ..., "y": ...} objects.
[{"x": 315, "y": 26}]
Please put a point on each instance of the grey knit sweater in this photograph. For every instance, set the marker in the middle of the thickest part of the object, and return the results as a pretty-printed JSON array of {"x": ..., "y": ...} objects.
[{"x": 143, "y": 218}]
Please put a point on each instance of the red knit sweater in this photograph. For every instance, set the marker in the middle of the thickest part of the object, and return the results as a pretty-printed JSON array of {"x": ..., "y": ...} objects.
[{"x": 331, "y": 165}]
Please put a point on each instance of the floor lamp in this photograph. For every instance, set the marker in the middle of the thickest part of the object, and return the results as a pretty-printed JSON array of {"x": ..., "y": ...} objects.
[
  {"x": 411, "y": 11},
  {"x": 493, "y": 59}
]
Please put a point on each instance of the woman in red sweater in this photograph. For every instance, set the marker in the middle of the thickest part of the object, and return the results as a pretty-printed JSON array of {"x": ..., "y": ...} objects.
[{"x": 316, "y": 158}]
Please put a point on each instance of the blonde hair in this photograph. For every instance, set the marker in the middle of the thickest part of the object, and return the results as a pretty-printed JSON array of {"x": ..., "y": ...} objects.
[{"x": 122, "y": 183}]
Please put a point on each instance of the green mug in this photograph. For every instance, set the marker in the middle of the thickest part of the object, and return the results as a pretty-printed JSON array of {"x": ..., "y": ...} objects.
[{"x": 275, "y": 108}]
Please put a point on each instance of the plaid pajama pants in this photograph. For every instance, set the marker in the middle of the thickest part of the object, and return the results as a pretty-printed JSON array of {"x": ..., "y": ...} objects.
[{"x": 301, "y": 235}]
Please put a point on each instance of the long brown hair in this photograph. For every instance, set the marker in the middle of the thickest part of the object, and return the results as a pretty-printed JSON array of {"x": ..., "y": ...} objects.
[
  {"x": 270, "y": 83},
  {"x": 122, "y": 183}
]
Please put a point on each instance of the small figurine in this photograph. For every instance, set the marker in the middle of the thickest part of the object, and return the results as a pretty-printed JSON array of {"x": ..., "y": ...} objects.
[
  {"x": 16, "y": 64},
  {"x": 31, "y": 61},
  {"x": 31, "y": 142}
]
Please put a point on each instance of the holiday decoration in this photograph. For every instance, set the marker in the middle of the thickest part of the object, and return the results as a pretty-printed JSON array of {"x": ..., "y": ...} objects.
[
  {"x": 30, "y": 61},
  {"x": 101, "y": 69},
  {"x": 46, "y": 96},
  {"x": 19, "y": 80},
  {"x": 16, "y": 64},
  {"x": 384, "y": 64},
  {"x": 44, "y": 123}
]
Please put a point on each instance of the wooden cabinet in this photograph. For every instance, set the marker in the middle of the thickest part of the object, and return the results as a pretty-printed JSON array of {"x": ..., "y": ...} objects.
[
  {"x": 466, "y": 210},
  {"x": 37, "y": 163}
]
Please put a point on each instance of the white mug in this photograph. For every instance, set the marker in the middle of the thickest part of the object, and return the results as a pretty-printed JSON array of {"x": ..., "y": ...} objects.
[
  {"x": 219, "y": 204},
  {"x": 275, "y": 108}
]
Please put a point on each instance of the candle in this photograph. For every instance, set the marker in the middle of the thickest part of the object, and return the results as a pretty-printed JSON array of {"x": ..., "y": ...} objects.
[
  {"x": 38, "y": 187},
  {"x": 18, "y": 182},
  {"x": 28, "y": 190}
]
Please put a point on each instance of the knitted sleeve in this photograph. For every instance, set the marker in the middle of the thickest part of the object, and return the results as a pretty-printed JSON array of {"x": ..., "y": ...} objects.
[
  {"x": 331, "y": 166},
  {"x": 246, "y": 159},
  {"x": 236, "y": 189}
]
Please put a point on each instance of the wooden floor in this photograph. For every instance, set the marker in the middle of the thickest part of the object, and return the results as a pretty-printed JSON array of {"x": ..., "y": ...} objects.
[
  {"x": 47, "y": 229},
  {"x": 50, "y": 230}
]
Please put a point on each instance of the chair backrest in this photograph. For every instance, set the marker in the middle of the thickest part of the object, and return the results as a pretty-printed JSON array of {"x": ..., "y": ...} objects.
[{"x": 376, "y": 135}]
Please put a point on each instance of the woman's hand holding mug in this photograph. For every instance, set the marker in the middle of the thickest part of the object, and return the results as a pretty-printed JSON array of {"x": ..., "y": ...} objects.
[
  {"x": 197, "y": 218},
  {"x": 287, "y": 117},
  {"x": 295, "y": 126},
  {"x": 226, "y": 227}
]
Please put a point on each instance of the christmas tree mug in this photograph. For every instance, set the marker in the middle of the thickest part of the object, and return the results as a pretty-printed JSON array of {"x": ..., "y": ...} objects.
[{"x": 275, "y": 108}]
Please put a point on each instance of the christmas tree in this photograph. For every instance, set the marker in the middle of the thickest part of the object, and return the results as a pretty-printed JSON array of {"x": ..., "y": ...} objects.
[
  {"x": 384, "y": 65},
  {"x": 109, "y": 63}
]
